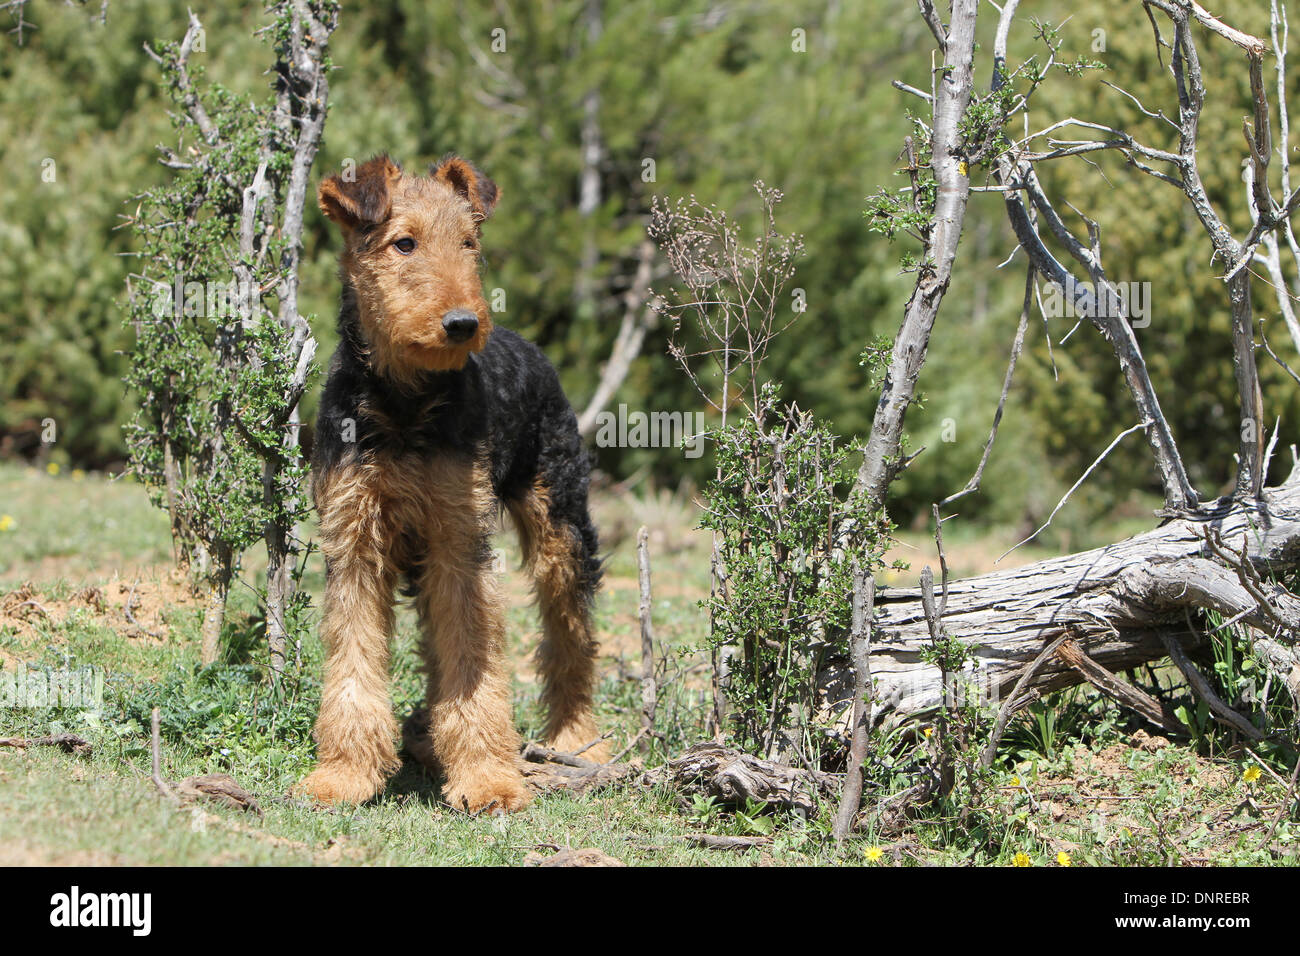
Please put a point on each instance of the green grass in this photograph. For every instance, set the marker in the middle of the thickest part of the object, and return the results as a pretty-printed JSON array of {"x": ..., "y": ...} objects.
[
  {"x": 1069, "y": 782},
  {"x": 72, "y": 525}
]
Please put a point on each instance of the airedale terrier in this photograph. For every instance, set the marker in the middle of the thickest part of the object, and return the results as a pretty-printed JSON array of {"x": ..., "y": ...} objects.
[{"x": 430, "y": 422}]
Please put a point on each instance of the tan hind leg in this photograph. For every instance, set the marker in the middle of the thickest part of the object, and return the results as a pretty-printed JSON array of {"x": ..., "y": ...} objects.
[{"x": 566, "y": 656}]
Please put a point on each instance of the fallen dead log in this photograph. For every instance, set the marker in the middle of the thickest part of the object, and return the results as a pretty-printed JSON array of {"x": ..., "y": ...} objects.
[
  {"x": 736, "y": 779},
  {"x": 1119, "y": 604}
]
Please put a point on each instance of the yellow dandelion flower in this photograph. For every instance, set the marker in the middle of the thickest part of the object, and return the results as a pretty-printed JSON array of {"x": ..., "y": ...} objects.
[
  {"x": 6, "y": 522},
  {"x": 78, "y": 474},
  {"x": 963, "y": 168},
  {"x": 1252, "y": 774},
  {"x": 927, "y": 732},
  {"x": 52, "y": 468},
  {"x": 1015, "y": 781},
  {"x": 1021, "y": 859},
  {"x": 1063, "y": 859},
  {"x": 873, "y": 853}
]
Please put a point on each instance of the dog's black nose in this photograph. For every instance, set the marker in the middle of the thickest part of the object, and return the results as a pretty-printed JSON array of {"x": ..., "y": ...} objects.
[{"x": 460, "y": 324}]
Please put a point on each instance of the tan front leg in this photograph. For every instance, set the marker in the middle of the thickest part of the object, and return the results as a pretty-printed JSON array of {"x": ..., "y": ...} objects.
[
  {"x": 355, "y": 730},
  {"x": 460, "y": 604}
]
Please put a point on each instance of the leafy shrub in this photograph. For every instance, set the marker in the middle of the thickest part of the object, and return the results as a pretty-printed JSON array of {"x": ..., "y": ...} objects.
[{"x": 779, "y": 511}]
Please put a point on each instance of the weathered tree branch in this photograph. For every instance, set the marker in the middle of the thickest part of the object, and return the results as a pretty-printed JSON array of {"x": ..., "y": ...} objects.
[
  {"x": 1104, "y": 307},
  {"x": 1120, "y": 691},
  {"x": 638, "y": 316},
  {"x": 1119, "y": 603}
]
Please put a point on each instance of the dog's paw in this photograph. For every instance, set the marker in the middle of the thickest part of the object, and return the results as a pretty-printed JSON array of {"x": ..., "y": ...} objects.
[
  {"x": 501, "y": 792},
  {"x": 331, "y": 784}
]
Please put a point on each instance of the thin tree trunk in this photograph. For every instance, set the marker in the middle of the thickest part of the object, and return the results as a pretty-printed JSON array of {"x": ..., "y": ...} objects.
[
  {"x": 954, "y": 84},
  {"x": 300, "y": 118},
  {"x": 589, "y": 191},
  {"x": 638, "y": 315},
  {"x": 649, "y": 692},
  {"x": 214, "y": 609}
]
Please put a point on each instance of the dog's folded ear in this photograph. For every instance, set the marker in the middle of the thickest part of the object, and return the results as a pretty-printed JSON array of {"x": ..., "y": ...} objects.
[
  {"x": 361, "y": 195},
  {"x": 465, "y": 179}
]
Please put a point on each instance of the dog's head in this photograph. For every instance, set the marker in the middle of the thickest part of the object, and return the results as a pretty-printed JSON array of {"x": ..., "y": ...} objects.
[{"x": 411, "y": 253}]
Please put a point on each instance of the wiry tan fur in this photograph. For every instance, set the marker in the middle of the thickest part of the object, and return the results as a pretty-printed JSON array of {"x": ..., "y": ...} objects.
[
  {"x": 402, "y": 298},
  {"x": 373, "y": 515},
  {"x": 461, "y": 611},
  {"x": 355, "y": 729},
  {"x": 410, "y": 261},
  {"x": 566, "y": 656}
]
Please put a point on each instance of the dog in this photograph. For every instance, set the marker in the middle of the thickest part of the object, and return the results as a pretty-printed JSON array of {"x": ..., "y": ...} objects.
[{"x": 432, "y": 422}]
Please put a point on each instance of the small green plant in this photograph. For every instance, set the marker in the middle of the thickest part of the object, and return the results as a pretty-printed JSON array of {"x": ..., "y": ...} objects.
[
  {"x": 225, "y": 715},
  {"x": 754, "y": 819},
  {"x": 776, "y": 506},
  {"x": 1045, "y": 727},
  {"x": 786, "y": 529},
  {"x": 704, "y": 809},
  {"x": 1242, "y": 681}
]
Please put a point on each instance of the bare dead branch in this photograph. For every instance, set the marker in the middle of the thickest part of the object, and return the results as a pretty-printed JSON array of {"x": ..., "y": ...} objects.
[
  {"x": 1202, "y": 689},
  {"x": 68, "y": 743},
  {"x": 1104, "y": 307},
  {"x": 1176, "y": 8},
  {"x": 155, "y": 775},
  {"x": 1018, "y": 698},
  {"x": 1075, "y": 487},
  {"x": 933, "y": 21},
  {"x": 1120, "y": 691}
]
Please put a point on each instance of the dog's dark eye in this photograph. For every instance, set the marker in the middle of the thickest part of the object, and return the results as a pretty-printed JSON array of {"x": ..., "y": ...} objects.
[
  {"x": 405, "y": 245},
  {"x": 469, "y": 244}
]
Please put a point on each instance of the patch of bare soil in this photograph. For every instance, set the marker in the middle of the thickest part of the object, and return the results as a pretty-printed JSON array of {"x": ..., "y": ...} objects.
[{"x": 136, "y": 606}]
